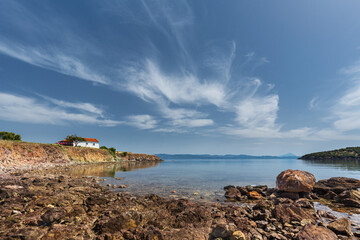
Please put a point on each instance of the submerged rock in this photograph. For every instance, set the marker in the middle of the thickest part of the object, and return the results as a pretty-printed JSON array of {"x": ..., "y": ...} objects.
[{"x": 295, "y": 181}]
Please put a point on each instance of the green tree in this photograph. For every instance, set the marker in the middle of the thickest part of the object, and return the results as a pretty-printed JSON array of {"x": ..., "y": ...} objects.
[
  {"x": 74, "y": 139},
  {"x": 10, "y": 136}
]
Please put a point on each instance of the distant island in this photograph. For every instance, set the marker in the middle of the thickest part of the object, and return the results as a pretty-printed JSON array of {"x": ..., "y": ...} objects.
[
  {"x": 349, "y": 153},
  {"x": 227, "y": 156}
]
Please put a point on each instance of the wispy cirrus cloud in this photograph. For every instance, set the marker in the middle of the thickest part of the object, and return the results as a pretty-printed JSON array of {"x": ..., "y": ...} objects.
[
  {"x": 52, "y": 60},
  {"x": 346, "y": 112},
  {"x": 23, "y": 109},
  {"x": 184, "y": 95}
]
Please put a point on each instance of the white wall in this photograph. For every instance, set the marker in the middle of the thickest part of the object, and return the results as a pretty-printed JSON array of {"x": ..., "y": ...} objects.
[{"x": 87, "y": 144}]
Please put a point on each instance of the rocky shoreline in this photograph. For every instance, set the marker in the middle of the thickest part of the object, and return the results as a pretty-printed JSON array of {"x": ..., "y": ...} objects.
[{"x": 49, "y": 204}]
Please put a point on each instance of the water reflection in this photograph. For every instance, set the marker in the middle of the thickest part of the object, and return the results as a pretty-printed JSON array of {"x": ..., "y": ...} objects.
[
  {"x": 350, "y": 165},
  {"x": 109, "y": 169}
]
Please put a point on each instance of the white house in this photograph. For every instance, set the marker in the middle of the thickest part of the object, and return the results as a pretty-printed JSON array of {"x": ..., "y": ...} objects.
[{"x": 89, "y": 142}]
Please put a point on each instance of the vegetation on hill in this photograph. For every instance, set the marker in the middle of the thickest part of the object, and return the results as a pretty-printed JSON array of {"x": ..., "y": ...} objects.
[
  {"x": 10, "y": 136},
  {"x": 74, "y": 139},
  {"x": 112, "y": 150},
  {"x": 343, "y": 153}
]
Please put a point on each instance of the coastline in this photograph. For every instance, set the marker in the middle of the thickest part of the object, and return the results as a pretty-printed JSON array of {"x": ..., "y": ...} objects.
[{"x": 44, "y": 201}]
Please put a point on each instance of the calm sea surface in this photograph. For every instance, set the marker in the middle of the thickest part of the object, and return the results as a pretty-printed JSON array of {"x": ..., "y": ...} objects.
[{"x": 204, "y": 179}]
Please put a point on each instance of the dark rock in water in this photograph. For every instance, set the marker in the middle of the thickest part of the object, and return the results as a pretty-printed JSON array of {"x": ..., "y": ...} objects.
[
  {"x": 295, "y": 181},
  {"x": 341, "y": 226},
  {"x": 228, "y": 187},
  {"x": 336, "y": 185},
  {"x": 349, "y": 198},
  {"x": 233, "y": 194},
  {"x": 287, "y": 212},
  {"x": 312, "y": 232}
]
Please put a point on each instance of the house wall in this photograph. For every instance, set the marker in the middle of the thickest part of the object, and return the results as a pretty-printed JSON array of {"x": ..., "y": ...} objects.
[{"x": 87, "y": 144}]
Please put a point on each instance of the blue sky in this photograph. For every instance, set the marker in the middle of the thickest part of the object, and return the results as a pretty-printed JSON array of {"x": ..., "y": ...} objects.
[{"x": 229, "y": 77}]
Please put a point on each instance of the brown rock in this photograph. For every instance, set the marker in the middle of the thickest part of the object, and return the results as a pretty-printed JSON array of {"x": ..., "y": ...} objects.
[
  {"x": 341, "y": 226},
  {"x": 238, "y": 235},
  {"x": 305, "y": 203},
  {"x": 53, "y": 215},
  {"x": 291, "y": 195},
  {"x": 287, "y": 212},
  {"x": 295, "y": 181},
  {"x": 336, "y": 184},
  {"x": 233, "y": 194},
  {"x": 311, "y": 232},
  {"x": 349, "y": 198}
]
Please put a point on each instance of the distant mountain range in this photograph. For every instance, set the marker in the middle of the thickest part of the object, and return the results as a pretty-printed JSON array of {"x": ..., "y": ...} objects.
[{"x": 227, "y": 156}]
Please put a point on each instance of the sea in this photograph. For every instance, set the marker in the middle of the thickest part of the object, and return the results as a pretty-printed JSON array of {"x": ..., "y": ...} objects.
[{"x": 204, "y": 179}]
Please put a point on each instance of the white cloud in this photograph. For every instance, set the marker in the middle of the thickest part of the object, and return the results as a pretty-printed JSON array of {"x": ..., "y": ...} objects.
[
  {"x": 53, "y": 60},
  {"x": 151, "y": 84},
  {"x": 347, "y": 110},
  {"x": 313, "y": 103},
  {"x": 142, "y": 121},
  {"x": 258, "y": 112},
  {"x": 83, "y": 106},
  {"x": 28, "y": 110}
]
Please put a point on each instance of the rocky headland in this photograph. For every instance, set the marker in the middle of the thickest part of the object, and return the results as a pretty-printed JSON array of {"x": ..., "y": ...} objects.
[{"x": 349, "y": 153}]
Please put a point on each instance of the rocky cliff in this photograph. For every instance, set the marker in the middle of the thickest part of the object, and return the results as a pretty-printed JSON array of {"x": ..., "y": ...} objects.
[{"x": 15, "y": 154}]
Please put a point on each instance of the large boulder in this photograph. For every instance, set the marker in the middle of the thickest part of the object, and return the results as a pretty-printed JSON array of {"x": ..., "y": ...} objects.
[
  {"x": 311, "y": 232},
  {"x": 295, "y": 181}
]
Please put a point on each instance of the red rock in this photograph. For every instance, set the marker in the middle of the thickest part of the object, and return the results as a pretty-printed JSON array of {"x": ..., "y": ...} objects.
[
  {"x": 254, "y": 195},
  {"x": 295, "y": 181},
  {"x": 311, "y": 232}
]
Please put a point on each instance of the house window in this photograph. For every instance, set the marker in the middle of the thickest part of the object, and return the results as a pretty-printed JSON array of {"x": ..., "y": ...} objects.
[
  {"x": 86, "y": 144},
  {"x": 93, "y": 144}
]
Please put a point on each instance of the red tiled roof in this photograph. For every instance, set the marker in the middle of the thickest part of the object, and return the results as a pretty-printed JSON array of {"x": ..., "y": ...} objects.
[
  {"x": 86, "y": 139},
  {"x": 91, "y": 140}
]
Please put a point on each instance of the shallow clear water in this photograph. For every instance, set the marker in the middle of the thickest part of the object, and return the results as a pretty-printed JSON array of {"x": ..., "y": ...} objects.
[{"x": 205, "y": 178}]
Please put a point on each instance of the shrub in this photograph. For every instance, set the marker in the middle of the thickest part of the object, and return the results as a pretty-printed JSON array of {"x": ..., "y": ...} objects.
[
  {"x": 123, "y": 154},
  {"x": 10, "y": 136},
  {"x": 111, "y": 150}
]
